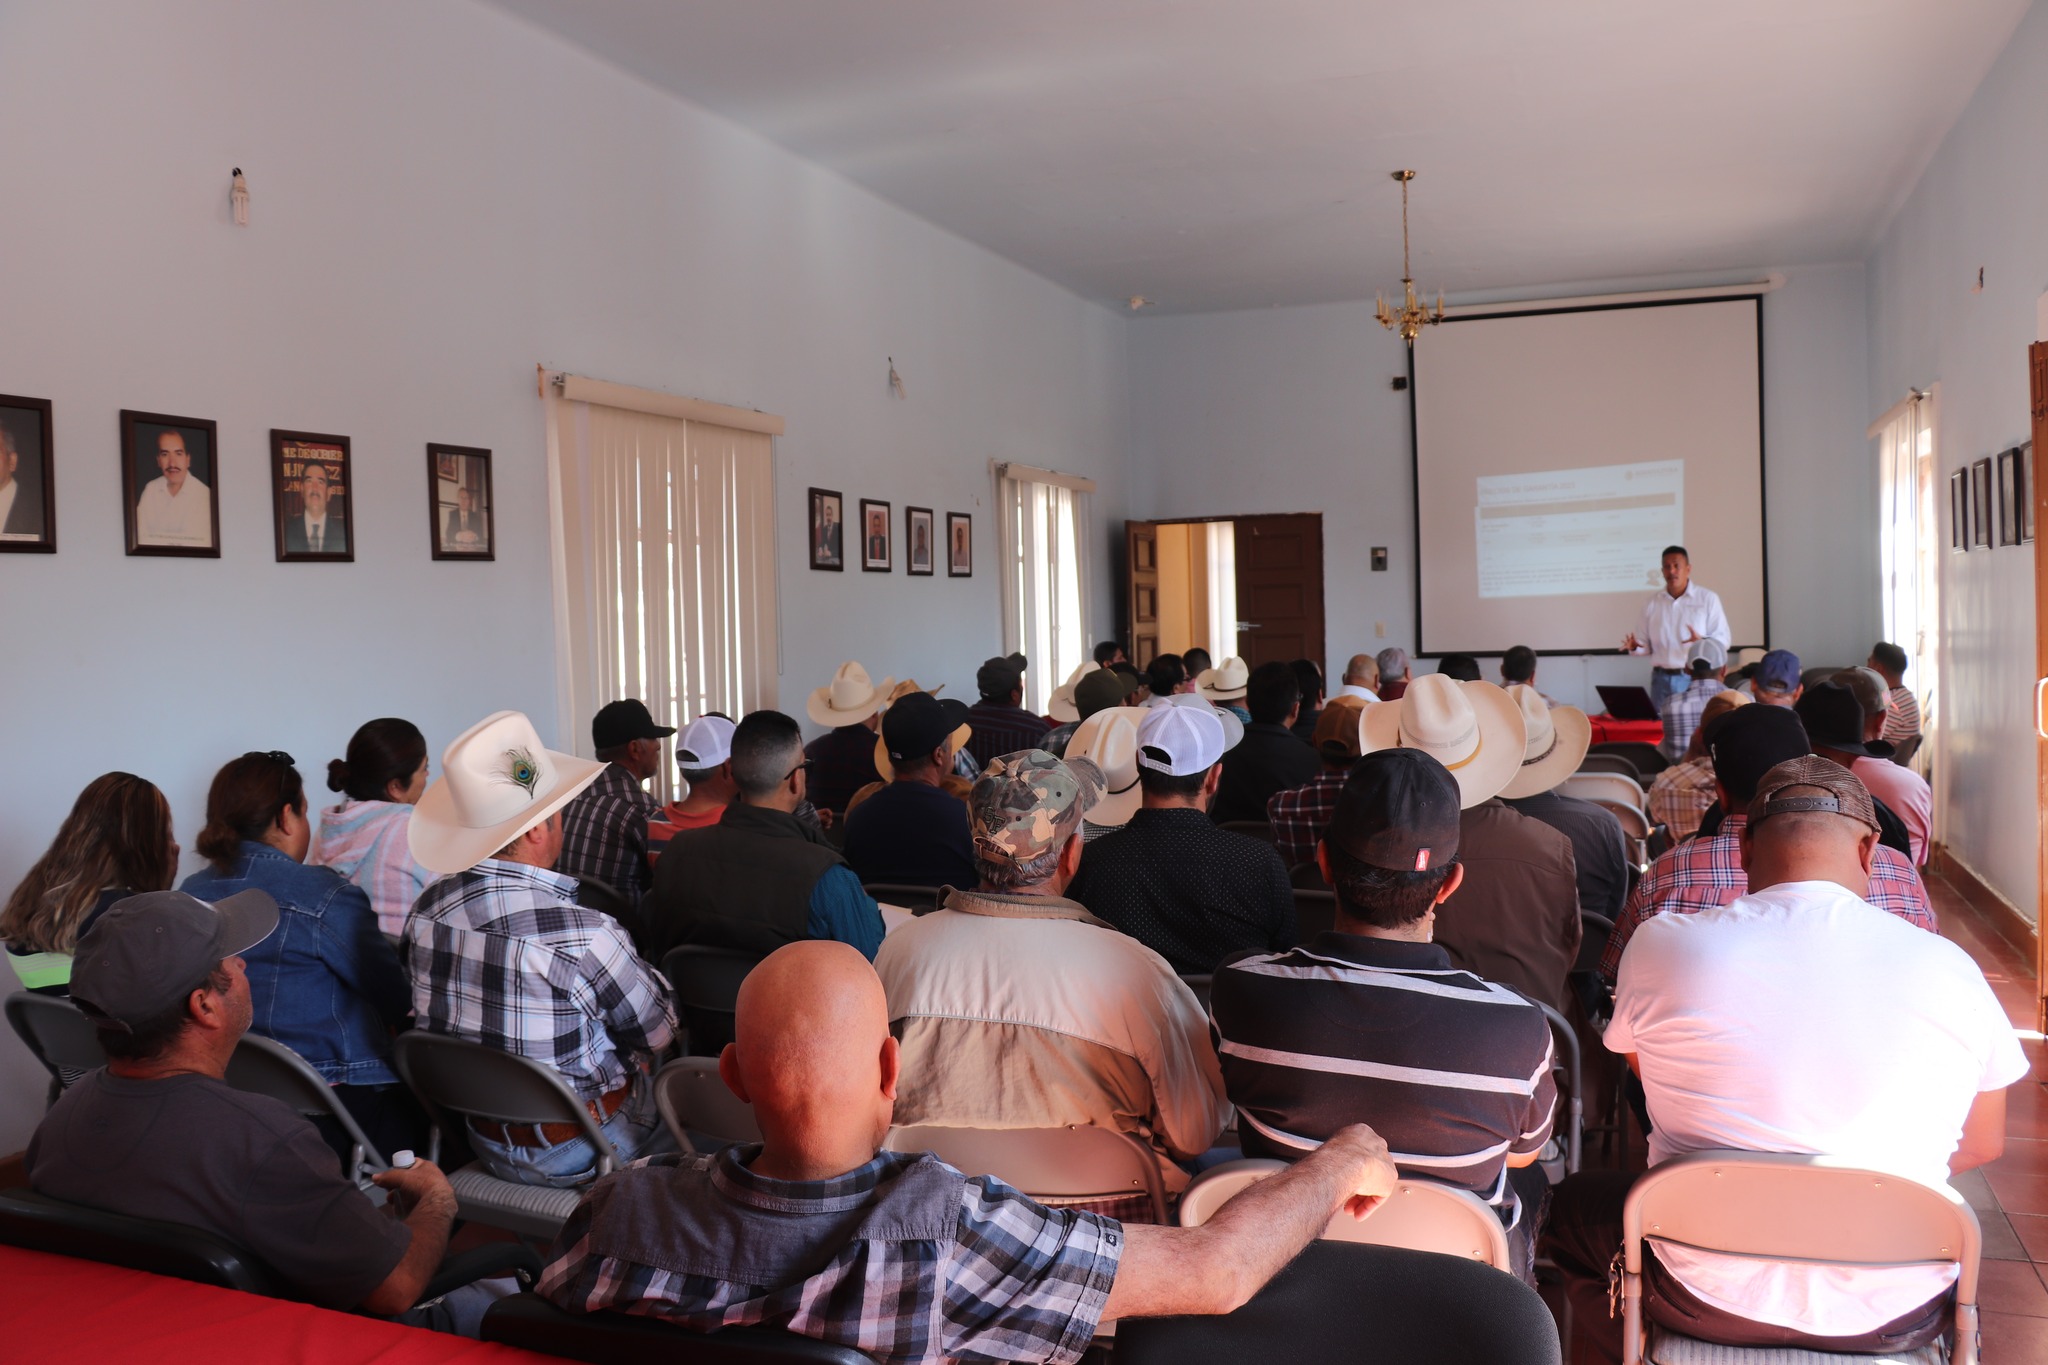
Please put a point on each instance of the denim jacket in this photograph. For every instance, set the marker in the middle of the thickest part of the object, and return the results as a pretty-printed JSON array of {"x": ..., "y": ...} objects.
[{"x": 327, "y": 983}]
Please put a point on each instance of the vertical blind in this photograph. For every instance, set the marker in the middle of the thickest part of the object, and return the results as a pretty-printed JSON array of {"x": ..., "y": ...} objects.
[
  {"x": 1910, "y": 543},
  {"x": 1043, "y": 533}
]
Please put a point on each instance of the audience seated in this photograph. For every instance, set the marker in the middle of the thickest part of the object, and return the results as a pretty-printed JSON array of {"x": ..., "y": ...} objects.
[
  {"x": 1197, "y": 662},
  {"x": 1097, "y": 691},
  {"x": 158, "y": 1134},
  {"x": 1902, "y": 790},
  {"x": 1840, "y": 729},
  {"x": 957, "y": 772},
  {"x": 500, "y": 953},
  {"x": 1744, "y": 743},
  {"x": 1189, "y": 891},
  {"x": 1394, "y": 673},
  {"x": 116, "y": 842},
  {"x": 1309, "y": 679},
  {"x": 704, "y": 758},
  {"x": 604, "y": 830},
  {"x": 1300, "y": 815},
  {"x": 1001, "y": 724},
  {"x": 1680, "y": 795},
  {"x": 1706, "y": 667},
  {"x": 1775, "y": 681},
  {"x": 1224, "y": 685},
  {"x": 914, "y": 831},
  {"x": 1271, "y": 757},
  {"x": 363, "y": 838},
  {"x": 328, "y": 986},
  {"x": 1556, "y": 743},
  {"x": 1166, "y": 676},
  {"x": 1109, "y": 653},
  {"x": 1374, "y": 1019},
  {"x": 1109, "y": 740},
  {"x": 1463, "y": 667},
  {"x": 1797, "y": 1018},
  {"x": 843, "y": 761},
  {"x": 1902, "y": 715},
  {"x": 817, "y": 1232},
  {"x": 1361, "y": 677},
  {"x": 1516, "y": 919},
  {"x": 1518, "y": 666}
]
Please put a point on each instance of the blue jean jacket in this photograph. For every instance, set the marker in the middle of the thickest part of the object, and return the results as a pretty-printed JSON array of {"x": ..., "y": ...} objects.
[{"x": 326, "y": 984}]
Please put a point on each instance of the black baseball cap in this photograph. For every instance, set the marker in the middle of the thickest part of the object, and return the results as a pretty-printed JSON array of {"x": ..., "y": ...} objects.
[
  {"x": 1398, "y": 810},
  {"x": 1834, "y": 720},
  {"x": 996, "y": 677},
  {"x": 1102, "y": 689},
  {"x": 1749, "y": 741},
  {"x": 620, "y": 722},
  {"x": 918, "y": 722},
  {"x": 147, "y": 952}
]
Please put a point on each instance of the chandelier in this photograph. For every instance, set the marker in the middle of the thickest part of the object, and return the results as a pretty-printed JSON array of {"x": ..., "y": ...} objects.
[{"x": 1413, "y": 314}]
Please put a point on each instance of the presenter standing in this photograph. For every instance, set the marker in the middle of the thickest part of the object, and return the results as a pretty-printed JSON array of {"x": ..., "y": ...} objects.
[{"x": 1672, "y": 619}]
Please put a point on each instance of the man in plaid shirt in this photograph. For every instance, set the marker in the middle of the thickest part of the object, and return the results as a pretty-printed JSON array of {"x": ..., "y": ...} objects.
[
  {"x": 604, "y": 831},
  {"x": 1699, "y": 874},
  {"x": 1706, "y": 660},
  {"x": 897, "y": 1254},
  {"x": 1300, "y": 816}
]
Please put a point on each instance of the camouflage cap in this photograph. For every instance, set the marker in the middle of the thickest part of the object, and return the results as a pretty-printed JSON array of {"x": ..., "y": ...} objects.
[{"x": 1025, "y": 804}]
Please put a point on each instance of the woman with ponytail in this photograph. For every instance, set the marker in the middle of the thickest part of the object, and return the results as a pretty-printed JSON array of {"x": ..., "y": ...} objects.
[{"x": 364, "y": 837}]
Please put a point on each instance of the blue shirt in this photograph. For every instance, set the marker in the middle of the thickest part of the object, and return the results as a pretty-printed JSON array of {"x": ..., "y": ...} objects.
[
  {"x": 913, "y": 833},
  {"x": 841, "y": 910}
]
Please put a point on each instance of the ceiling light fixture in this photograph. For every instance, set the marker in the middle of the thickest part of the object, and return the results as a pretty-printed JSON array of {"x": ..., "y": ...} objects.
[
  {"x": 1138, "y": 301},
  {"x": 1414, "y": 316}
]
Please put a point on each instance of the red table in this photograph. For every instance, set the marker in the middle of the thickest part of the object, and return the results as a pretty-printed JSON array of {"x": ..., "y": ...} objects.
[
  {"x": 58, "y": 1308},
  {"x": 1608, "y": 730}
]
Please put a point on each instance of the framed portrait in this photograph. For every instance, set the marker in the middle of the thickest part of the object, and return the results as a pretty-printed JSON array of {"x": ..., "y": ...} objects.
[
  {"x": 877, "y": 554},
  {"x": 2015, "y": 496},
  {"x": 461, "y": 510},
  {"x": 959, "y": 545},
  {"x": 2024, "y": 480},
  {"x": 1959, "y": 511},
  {"x": 310, "y": 489},
  {"x": 918, "y": 528},
  {"x": 169, "y": 484},
  {"x": 28, "y": 477},
  {"x": 828, "y": 530},
  {"x": 1980, "y": 504}
]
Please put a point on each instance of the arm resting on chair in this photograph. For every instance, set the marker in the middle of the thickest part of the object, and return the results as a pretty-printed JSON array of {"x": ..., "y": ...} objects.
[
  {"x": 490, "y": 1262},
  {"x": 431, "y": 1214},
  {"x": 1983, "y": 1133}
]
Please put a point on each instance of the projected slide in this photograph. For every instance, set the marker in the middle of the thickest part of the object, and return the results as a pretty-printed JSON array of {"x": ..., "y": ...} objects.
[{"x": 1566, "y": 532}]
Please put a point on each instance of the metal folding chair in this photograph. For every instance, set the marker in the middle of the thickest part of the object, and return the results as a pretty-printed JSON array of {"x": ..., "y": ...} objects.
[
  {"x": 693, "y": 1099},
  {"x": 264, "y": 1066},
  {"x": 57, "y": 1035},
  {"x": 1420, "y": 1214},
  {"x": 706, "y": 982}
]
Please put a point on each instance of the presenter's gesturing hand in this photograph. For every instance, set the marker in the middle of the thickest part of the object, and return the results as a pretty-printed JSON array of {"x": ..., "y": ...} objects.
[{"x": 1630, "y": 644}]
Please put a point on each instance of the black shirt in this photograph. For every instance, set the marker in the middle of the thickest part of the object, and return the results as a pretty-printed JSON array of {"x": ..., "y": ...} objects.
[
  {"x": 1597, "y": 846},
  {"x": 1187, "y": 890},
  {"x": 911, "y": 832},
  {"x": 1268, "y": 759}
]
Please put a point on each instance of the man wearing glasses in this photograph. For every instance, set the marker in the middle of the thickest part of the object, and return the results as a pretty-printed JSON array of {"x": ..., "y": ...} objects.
[{"x": 761, "y": 877}]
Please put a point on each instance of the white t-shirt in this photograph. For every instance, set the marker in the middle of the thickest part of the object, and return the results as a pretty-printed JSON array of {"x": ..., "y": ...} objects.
[
  {"x": 1666, "y": 619},
  {"x": 1802, "y": 1019},
  {"x": 1907, "y": 793},
  {"x": 186, "y": 519},
  {"x": 1354, "y": 690}
]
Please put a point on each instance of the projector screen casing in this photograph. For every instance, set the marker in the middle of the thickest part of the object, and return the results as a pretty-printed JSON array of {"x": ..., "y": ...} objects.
[{"x": 1585, "y": 399}]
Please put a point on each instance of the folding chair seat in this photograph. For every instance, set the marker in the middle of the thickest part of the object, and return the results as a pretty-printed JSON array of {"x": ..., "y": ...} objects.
[
  {"x": 695, "y": 1102},
  {"x": 1420, "y": 1215},
  {"x": 531, "y": 1322},
  {"x": 1073, "y": 1165},
  {"x": 706, "y": 982}
]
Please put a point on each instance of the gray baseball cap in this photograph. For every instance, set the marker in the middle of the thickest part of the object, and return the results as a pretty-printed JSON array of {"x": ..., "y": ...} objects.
[{"x": 147, "y": 952}]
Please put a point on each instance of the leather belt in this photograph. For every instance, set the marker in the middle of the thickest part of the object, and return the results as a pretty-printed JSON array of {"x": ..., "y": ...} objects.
[{"x": 549, "y": 1134}]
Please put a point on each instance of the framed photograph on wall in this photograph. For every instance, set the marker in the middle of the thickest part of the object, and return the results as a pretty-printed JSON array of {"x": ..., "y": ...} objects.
[
  {"x": 309, "y": 497},
  {"x": 2007, "y": 481},
  {"x": 918, "y": 535},
  {"x": 959, "y": 545},
  {"x": 2027, "y": 493},
  {"x": 877, "y": 553},
  {"x": 28, "y": 477},
  {"x": 828, "y": 529},
  {"x": 1959, "y": 510},
  {"x": 461, "y": 507},
  {"x": 1980, "y": 504},
  {"x": 169, "y": 481}
]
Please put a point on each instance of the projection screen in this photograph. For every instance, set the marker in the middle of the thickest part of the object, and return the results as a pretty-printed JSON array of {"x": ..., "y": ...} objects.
[{"x": 1558, "y": 452}]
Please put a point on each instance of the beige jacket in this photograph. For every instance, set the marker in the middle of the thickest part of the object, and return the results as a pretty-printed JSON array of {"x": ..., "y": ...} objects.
[{"x": 1028, "y": 1012}]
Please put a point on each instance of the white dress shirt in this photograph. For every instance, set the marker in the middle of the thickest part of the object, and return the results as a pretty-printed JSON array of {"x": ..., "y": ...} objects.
[
  {"x": 186, "y": 519},
  {"x": 1662, "y": 630}
]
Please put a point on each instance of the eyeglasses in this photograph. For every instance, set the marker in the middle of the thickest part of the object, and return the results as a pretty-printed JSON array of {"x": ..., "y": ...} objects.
[{"x": 802, "y": 767}]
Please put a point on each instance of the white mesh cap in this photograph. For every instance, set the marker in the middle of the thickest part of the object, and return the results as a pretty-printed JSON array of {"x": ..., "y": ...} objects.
[{"x": 1180, "y": 740}]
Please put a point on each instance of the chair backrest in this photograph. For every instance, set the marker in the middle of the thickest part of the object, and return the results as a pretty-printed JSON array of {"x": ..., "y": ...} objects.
[
  {"x": 1256, "y": 829},
  {"x": 1609, "y": 789},
  {"x": 1570, "y": 1124},
  {"x": 1420, "y": 1214},
  {"x": 264, "y": 1066},
  {"x": 531, "y": 1322},
  {"x": 1648, "y": 759},
  {"x": 1907, "y": 747},
  {"x": 39, "y": 1223},
  {"x": 693, "y": 1099},
  {"x": 706, "y": 982},
  {"x": 55, "y": 1031},
  {"x": 1315, "y": 912},
  {"x": 1069, "y": 1164},
  {"x": 452, "y": 1076},
  {"x": 1608, "y": 763},
  {"x": 918, "y": 900}
]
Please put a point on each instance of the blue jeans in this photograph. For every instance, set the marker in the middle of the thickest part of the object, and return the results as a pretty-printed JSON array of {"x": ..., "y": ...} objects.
[
  {"x": 636, "y": 1130},
  {"x": 1664, "y": 683}
]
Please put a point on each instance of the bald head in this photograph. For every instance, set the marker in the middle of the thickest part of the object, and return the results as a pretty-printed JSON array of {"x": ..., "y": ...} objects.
[
  {"x": 1363, "y": 671},
  {"x": 1808, "y": 846}
]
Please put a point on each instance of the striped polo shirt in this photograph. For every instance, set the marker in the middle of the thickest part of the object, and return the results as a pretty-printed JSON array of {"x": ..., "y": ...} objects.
[{"x": 1452, "y": 1070}]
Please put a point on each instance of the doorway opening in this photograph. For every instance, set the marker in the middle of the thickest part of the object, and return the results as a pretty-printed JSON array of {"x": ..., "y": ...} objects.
[{"x": 1249, "y": 587}]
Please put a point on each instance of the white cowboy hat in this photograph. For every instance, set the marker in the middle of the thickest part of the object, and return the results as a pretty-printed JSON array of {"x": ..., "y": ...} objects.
[
  {"x": 1225, "y": 682},
  {"x": 1061, "y": 707},
  {"x": 496, "y": 783},
  {"x": 849, "y": 698},
  {"x": 1473, "y": 728},
  {"x": 1555, "y": 745},
  {"x": 1109, "y": 740}
]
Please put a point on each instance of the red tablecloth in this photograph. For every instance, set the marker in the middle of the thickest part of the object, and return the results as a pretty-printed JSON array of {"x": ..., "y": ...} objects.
[
  {"x": 1608, "y": 730},
  {"x": 56, "y": 1308}
]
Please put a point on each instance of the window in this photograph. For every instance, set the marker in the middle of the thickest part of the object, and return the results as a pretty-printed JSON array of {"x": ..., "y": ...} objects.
[
  {"x": 1044, "y": 531},
  {"x": 664, "y": 559},
  {"x": 1909, "y": 537}
]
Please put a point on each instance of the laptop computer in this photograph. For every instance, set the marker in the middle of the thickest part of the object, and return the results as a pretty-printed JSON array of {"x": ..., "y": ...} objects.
[{"x": 1627, "y": 703}]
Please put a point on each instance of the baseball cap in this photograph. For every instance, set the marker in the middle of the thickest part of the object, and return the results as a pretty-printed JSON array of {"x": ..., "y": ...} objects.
[
  {"x": 1869, "y": 688},
  {"x": 1028, "y": 803},
  {"x": 620, "y": 722},
  {"x": 998, "y": 675},
  {"x": 1102, "y": 689},
  {"x": 1398, "y": 810},
  {"x": 1749, "y": 741},
  {"x": 1706, "y": 650},
  {"x": 705, "y": 742},
  {"x": 1336, "y": 736},
  {"x": 1179, "y": 740},
  {"x": 1846, "y": 794},
  {"x": 1777, "y": 671},
  {"x": 917, "y": 723},
  {"x": 146, "y": 953},
  {"x": 1834, "y": 720}
]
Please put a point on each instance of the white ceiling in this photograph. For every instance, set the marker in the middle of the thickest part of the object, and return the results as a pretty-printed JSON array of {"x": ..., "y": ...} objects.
[{"x": 1215, "y": 154}]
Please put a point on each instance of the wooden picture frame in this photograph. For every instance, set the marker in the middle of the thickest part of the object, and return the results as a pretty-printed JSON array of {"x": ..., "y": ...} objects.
[
  {"x": 462, "y": 504},
  {"x": 877, "y": 539},
  {"x": 311, "y": 502},
  {"x": 920, "y": 542},
  {"x": 959, "y": 545},
  {"x": 2015, "y": 497},
  {"x": 150, "y": 461},
  {"x": 1980, "y": 504},
  {"x": 1959, "y": 511},
  {"x": 2025, "y": 481},
  {"x": 827, "y": 529},
  {"x": 28, "y": 466}
]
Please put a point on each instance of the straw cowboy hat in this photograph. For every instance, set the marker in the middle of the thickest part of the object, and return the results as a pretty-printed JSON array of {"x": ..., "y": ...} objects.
[
  {"x": 849, "y": 698},
  {"x": 1109, "y": 740},
  {"x": 1473, "y": 728},
  {"x": 496, "y": 783},
  {"x": 1225, "y": 682},
  {"x": 1557, "y": 738},
  {"x": 1061, "y": 707}
]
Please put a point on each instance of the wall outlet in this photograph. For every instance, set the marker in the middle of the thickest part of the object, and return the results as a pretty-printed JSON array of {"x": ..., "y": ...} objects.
[{"x": 1379, "y": 559}]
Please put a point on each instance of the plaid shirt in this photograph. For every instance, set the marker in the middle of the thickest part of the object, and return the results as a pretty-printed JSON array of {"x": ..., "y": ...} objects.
[
  {"x": 1680, "y": 796},
  {"x": 962, "y": 1268},
  {"x": 1682, "y": 715},
  {"x": 604, "y": 833},
  {"x": 1300, "y": 816},
  {"x": 502, "y": 955},
  {"x": 1700, "y": 874}
]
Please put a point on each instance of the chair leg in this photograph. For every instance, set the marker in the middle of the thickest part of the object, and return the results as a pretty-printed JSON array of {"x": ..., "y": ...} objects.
[{"x": 1964, "y": 1352}]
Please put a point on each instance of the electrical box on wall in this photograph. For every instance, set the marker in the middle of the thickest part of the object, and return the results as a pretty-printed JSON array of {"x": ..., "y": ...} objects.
[{"x": 1379, "y": 559}]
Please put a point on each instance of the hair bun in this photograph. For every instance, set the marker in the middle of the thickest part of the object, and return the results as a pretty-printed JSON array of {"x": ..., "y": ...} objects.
[{"x": 337, "y": 774}]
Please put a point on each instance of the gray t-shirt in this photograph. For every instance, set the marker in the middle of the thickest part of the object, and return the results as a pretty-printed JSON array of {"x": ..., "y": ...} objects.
[{"x": 193, "y": 1150}]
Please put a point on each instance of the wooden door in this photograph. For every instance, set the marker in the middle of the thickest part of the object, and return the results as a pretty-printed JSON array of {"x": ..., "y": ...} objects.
[
  {"x": 1280, "y": 588},
  {"x": 1141, "y": 579},
  {"x": 2037, "y": 368}
]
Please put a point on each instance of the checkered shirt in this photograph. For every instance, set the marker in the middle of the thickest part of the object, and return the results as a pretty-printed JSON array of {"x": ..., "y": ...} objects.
[
  {"x": 502, "y": 955},
  {"x": 1700, "y": 874},
  {"x": 604, "y": 833},
  {"x": 1680, "y": 796},
  {"x": 1682, "y": 711},
  {"x": 1014, "y": 1280},
  {"x": 1300, "y": 816}
]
